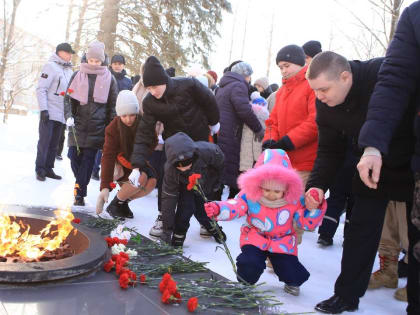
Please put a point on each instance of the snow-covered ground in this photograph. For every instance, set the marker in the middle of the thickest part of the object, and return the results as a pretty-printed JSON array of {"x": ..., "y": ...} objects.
[{"x": 18, "y": 140}]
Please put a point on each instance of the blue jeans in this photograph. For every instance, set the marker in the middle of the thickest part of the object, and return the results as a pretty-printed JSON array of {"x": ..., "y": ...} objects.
[{"x": 82, "y": 165}]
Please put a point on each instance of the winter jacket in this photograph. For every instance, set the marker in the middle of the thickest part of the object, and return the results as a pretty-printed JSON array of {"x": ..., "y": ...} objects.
[
  {"x": 208, "y": 161},
  {"x": 396, "y": 98},
  {"x": 113, "y": 151},
  {"x": 235, "y": 111},
  {"x": 52, "y": 85},
  {"x": 271, "y": 229},
  {"x": 271, "y": 100},
  {"x": 293, "y": 120},
  {"x": 342, "y": 123},
  {"x": 91, "y": 119},
  {"x": 267, "y": 92},
  {"x": 186, "y": 106},
  {"x": 251, "y": 148},
  {"x": 124, "y": 83}
]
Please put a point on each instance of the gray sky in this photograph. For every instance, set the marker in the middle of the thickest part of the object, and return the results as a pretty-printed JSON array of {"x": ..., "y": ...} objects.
[{"x": 296, "y": 21}]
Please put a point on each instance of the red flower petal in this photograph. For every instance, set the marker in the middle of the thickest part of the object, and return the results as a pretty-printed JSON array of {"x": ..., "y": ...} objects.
[
  {"x": 171, "y": 287},
  {"x": 77, "y": 220},
  {"x": 62, "y": 93},
  {"x": 143, "y": 279},
  {"x": 192, "y": 304},
  {"x": 112, "y": 185},
  {"x": 70, "y": 91},
  {"x": 109, "y": 265},
  {"x": 124, "y": 255},
  {"x": 166, "y": 297}
]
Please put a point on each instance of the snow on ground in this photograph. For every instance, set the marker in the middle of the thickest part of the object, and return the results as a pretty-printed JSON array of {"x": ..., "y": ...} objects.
[{"x": 18, "y": 141}]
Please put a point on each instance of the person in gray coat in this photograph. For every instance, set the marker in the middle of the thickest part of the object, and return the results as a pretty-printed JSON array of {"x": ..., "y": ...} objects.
[{"x": 52, "y": 85}]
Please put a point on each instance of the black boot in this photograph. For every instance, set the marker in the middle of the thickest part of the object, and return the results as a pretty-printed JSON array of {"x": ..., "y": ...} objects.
[
  {"x": 116, "y": 208},
  {"x": 126, "y": 210},
  {"x": 50, "y": 173},
  {"x": 218, "y": 237},
  {"x": 325, "y": 241},
  {"x": 336, "y": 305},
  {"x": 79, "y": 201},
  {"x": 40, "y": 176},
  {"x": 178, "y": 239}
]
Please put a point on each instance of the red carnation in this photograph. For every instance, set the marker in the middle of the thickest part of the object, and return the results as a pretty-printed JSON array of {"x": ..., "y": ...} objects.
[
  {"x": 192, "y": 181},
  {"x": 70, "y": 91},
  {"x": 62, "y": 93},
  {"x": 77, "y": 220},
  {"x": 124, "y": 255},
  {"x": 192, "y": 304},
  {"x": 166, "y": 297},
  {"x": 171, "y": 287},
  {"x": 143, "y": 279},
  {"x": 177, "y": 297},
  {"x": 124, "y": 281},
  {"x": 109, "y": 265},
  {"x": 132, "y": 275},
  {"x": 112, "y": 185}
]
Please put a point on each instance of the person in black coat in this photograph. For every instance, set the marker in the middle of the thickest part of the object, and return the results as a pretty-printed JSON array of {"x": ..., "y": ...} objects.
[
  {"x": 118, "y": 71},
  {"x": 185, "y": 157},
  {"x": 395, "y": 98},
  {"x": 343, "y": 90},
  {"x": 89, "y": 106},
  {"x": 235, "y": 110},
  {"x": 181, "y": 104}
]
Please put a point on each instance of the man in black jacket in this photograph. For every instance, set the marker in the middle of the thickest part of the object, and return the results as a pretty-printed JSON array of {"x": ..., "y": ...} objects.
[
  {"x": 343, "y": 90},
  {"x": 396, "y": 94},
  {"x": 181, "y": 104}
]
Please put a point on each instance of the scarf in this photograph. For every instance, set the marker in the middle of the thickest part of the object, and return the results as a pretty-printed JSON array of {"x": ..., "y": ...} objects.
[
  {"x": 79, "y": 87},
  {"x": 273, "y": 204}
]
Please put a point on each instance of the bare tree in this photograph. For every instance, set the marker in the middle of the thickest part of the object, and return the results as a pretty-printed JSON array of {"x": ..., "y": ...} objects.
[
  {"x": 108, "y": 25},
  {"x": 270, "y": 42},
  {"x": 80, "y": 25},
  {"x": 69, "y": 19},
  {"x": 8, "y": 34}
]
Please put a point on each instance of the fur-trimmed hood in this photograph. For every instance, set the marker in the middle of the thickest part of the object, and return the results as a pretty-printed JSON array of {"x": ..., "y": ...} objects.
[{"x": 272, "y": 164}]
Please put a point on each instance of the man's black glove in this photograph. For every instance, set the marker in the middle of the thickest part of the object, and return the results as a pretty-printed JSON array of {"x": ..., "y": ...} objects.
[
  {"x": 45, "y": 116},
  {"x": 284, "y": 143}
]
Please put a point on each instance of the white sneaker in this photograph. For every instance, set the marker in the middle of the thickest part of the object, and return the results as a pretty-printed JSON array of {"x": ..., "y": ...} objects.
[
  {"x": 204, "y": 233},
  {"x": 157, "y": 229}
]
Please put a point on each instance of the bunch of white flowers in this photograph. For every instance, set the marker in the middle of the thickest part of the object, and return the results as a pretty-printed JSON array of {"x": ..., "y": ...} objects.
[
  {"x": 120, "y": 233},
  {"x": 118, "y": 248}
]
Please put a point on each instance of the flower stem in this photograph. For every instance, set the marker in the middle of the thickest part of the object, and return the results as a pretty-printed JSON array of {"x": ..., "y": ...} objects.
[{"x": 75, "y": 139}]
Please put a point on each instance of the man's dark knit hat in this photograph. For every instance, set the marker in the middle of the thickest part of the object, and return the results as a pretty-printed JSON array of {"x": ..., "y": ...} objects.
[
  {"x": 312, "y": 48},
  {"x": 154, "y": 74},
  {"x": 64, "y": 47},
  {"x": 118, "y": 58},
  {"x": 291, "y": 53}
]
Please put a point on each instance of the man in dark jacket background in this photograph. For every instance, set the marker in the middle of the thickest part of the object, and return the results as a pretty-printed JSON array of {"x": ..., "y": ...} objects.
[
  {"x": 343, "y": 90},
  {"x": 185, "y": 157},
  {"x": 181, "y": 104},
  {"x": 396, "y": 96}
]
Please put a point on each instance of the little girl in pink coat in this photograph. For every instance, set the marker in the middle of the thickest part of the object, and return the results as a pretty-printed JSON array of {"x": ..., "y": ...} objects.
[{"x": 271, "y": 197}]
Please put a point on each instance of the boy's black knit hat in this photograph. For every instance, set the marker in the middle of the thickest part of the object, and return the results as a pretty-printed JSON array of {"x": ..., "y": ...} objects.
[
  {"x": 291, "y": 53},
  {"x": 312, "y": 48},
  {"x": 154, "y": 74}
]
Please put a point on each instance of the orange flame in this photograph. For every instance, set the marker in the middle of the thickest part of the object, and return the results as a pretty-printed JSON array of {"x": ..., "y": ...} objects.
[{"x": 32, "y": 246}]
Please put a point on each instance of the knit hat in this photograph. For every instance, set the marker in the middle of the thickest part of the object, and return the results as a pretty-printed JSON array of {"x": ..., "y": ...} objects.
[
  {"x": 291, "y": 53},
  {"x": 243, "y": 68},
  {"x": 127, "y": 103},
  {"x": 154, "y": 74},
  {"x": 312, "y": 48},
  {"x": 213, "y": 75},
  {"x": 64, "y": 47},
  {"x": 96, "y": 50},
  {"x": 263, "y": 82},
  {"x": 118, "y": 58},
  {"x": 273, "y": 184}
]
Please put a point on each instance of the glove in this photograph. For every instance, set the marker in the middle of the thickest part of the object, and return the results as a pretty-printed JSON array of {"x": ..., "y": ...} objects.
[
  {"x": 134, "y": 177},
  {"x": 70, "y": 122},
  {"x": 102, "y": 199},
  {"x": 212, "y": 209},
  {"x": 45, "y": 116},
  {"x": 259, "y": 136},
  {"x": 215, "y": 128},
  {"x": 268, "y": 144},
  {"x": 284, "y": 143}
]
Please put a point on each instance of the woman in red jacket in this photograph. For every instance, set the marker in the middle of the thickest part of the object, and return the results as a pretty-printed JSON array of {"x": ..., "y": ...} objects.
[
  {"x": 119, "y": 142},
  {"x": 291, "y": 125}
]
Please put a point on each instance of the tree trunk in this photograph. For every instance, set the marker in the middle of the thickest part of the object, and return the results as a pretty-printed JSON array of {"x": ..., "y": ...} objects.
[
  {"x": 394, "y": 18},
  {"x": 108, "y": 25},
  {"x": 270, "y": 44},
  {"x": 233, "y": 34},
  {"x": 81, "y": 22},
  {"x": 69, "y": 14},
  {"x": 6, "y": 47},
  {"x": 244, "y": 38}
]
